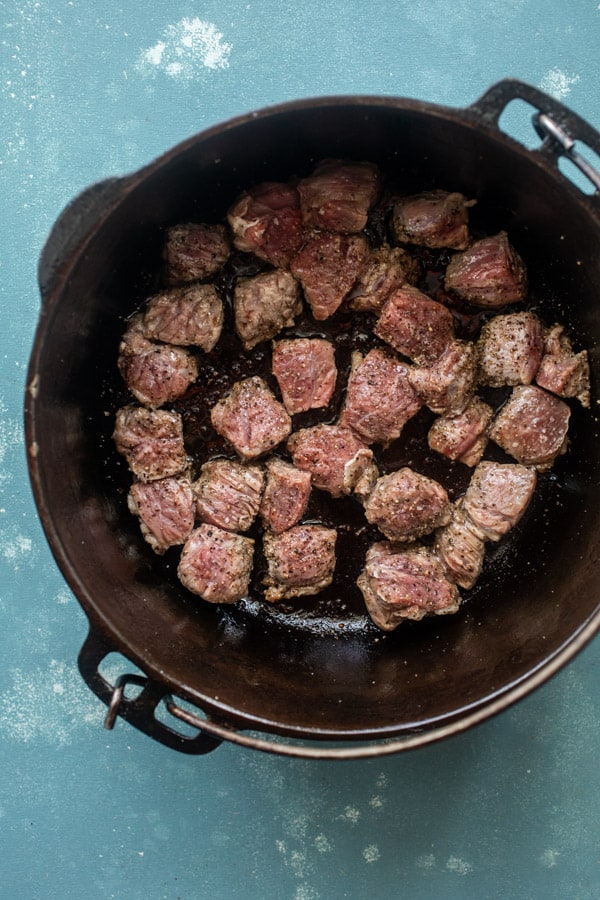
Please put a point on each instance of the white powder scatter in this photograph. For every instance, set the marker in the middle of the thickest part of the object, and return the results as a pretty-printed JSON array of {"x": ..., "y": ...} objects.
[
  {"x": 427, "y": 861},
  {"x": 306, "y": 892},
  {"x": 382, "y": 780},
  {"x": 323, "y": 844},
  {"x": 549, "y": 858},
  {"x": 371, "y": 853},
  {"x": 376, "y": 802},
  {"x": 47, "y": 704},
  {"x": 184, "y": 50},
  {"x": 558, "y": 83},
  {"x": 455, "y": 864},
  {"x": 16, "y": 548},
  {"x": 64, "y": 597},
  {"x": 350, "y": 814}
]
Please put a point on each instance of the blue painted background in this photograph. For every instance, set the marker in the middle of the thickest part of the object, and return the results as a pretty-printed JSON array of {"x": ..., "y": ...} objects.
[{"x": 510, "y": 810}]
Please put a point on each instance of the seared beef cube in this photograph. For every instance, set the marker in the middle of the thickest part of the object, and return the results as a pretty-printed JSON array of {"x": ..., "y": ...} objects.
[
  {"x": 386, "y": 269},
  {"x": 251, "y": 418},
  {"x": 216, "y": 564},
  {"x": 461, "y": 549},
  {"x": 463, "y": 437},
  {"x": 379, "y": 399},
  {"x": 186, "y": 316},
  {"x": 415, "y": 325},
  {"x": 337, "y": 460},
  {"x": 194, "y": 251},
  {"x": 338, "y": 195},
  {"x": 306, "y": 373},
  {"x": 286, "y": 495},
  {"x": 267, "y": 221},
  {"x": 400, "y": 582},
  {"x": 301, "y": 561},
  {"x": 497, "y": 496},
  {"x": 510, "y": 349},
  {"x": 447, "y": 387},
  {"x": 265, "y": 304},
  {"x": 154, "y": 373},
  {"x": 151, "y": 440},
  {"x": 561, "y": 371},
  {"x": 433, "y": 219},
  {"x": 165, "y": 509},
  {"x": 228, "y": 494},
  {"x": 406, "y": 505},
  {"x": 327, "y": 267},
  {"x": 490, "y": 273},
  {"x": 532, "y": 426}
]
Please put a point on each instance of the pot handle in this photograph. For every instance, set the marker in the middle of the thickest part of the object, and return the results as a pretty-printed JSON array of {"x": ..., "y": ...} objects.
[
  {"x": 72, "y": 227},
  {"x": 558, "y": 126},
  {"x": 140, "y": 710}
]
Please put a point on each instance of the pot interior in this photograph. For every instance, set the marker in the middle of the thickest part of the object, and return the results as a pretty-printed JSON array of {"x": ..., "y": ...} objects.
[{"x": 318, "y": 667}]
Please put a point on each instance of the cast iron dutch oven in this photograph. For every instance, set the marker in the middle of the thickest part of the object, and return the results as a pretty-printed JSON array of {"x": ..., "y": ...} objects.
[{"x": 321, "y": 680}]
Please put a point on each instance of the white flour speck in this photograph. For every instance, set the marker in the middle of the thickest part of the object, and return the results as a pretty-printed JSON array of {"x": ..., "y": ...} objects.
[
  {"x": 64, "y": 597},
  {"x": 323, "y": 844},
  {"x": 371, "y": 853},
  {"x": 427, "y": 861},
  {"x": 16, "y": 548},
  {"x": 350, "y": 814},
  {"x": 557, "y": 83},
  {"x": 454, "y": 864},
  {"x": 376, "y": 802},
  {"x": 184, "y": 50},
  {"x": 549, "y": 858}
]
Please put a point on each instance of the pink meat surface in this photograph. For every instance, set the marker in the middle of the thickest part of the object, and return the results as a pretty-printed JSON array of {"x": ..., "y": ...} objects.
[
  {"x": 415, "y": 325},
  {"x": 402, "y": 582},
  {"x": 151, "y": 440},
  {"x": 562, "y": 371},
  {"x": 301, "y": 561},
  {"x": 387, "y": 268},
  {"x": 338, "y": 461},
  {"x": 463, "y": 437},
  {"x": 327, "y": 267},
  {"x": 489, "y": 273},
  {"x": 154, "y": 373},
  {"x": 532, "y": 426},
  {"x": 405, "y": 505},
  {"x": 165, "y": 509},
  {"x": 379, "y": 398},
  {"x": 286, "y": 495},
  {"x": 306, "y": 372},
  {"x": 194, "y": 251},
  {"x": 265, "y": 304},
  {"x": 497, "y": 496},
  {"x": 461, "y": 549},
  {"x": 251, "y": 418},
  {"x": 338, "y": 195},
  {"x": 216, "y": 564},
  {"x": 510, "y": 349},
  {"x": 433, "y": 219},
  {"x": 186, "y": 316},
  {"x": 447, "y": 386},
  {"x": 267, "y": 221},
  {"x": 228, "y": 494}
]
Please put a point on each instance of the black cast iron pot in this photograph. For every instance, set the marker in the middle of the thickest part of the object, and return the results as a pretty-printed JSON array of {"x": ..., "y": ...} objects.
[{"x": 233, "y": 672}]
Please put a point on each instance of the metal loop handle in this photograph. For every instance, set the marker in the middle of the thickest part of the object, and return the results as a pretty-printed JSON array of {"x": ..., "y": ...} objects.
[{"x": 547, "y": 128}]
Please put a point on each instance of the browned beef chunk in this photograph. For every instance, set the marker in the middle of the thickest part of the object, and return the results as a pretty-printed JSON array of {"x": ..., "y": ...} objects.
[
  {"x": 497, "y": 496},
  {"x": 415, "y": 325},
  {"x": 461, "y": 549},
  {"x": 286, "y": 495},
  {"x": 267, "y": 221},
  {"x": 386, "y": 269},
  {"x": 301, "y": 561},
  {"x": 251, "y": 418},
  {"x": 337, "y": 460},
  {"x": 463, "y": 437},
  {"x": 306, "y": 372},
  {"x": 532, "y": 426},
  {"x": 265, "y": 304},
  {"x": 194, "y": 251},
  {"x": 406, "y": 505},
  {"x": 154, "y": 373},
  {"x": 186, "y": 316},
  {"x": 405, "y": 582},
  {"x": 216, "y": 564},
  {"x": 447, "y": 386},
  {"x": 338, "y": 195},
  {"x": 433, "y": 219},
  {"x": 379, "y": 399},
  {"x": 562, "y": 371},
  {"x": 165, "y": 509},
  {"x": 151, "y": 440},
  {"x": 490, "y": 273},
  {"x": 228, "y": 494},
  {"x": 327, "y": 267},
  {"x": 510, "y": 349}
]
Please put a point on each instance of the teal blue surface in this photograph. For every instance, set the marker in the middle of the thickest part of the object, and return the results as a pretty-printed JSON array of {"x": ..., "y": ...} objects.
[{"x": 509, "y": 810}]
